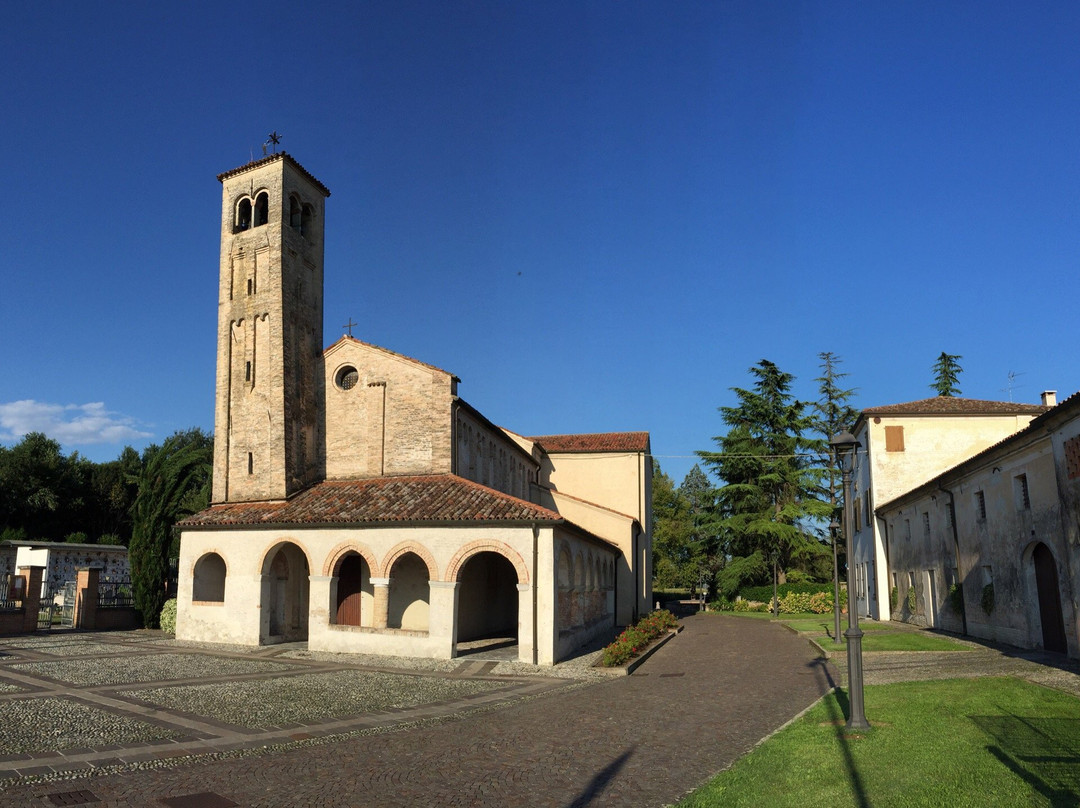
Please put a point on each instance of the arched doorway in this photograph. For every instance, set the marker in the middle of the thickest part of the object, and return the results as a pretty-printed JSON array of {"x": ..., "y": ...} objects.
[
  {"x": 409, "y": 594},
  {"x": 488, "y": 601},
  {"x": 285, "y": 594},
  {"x": 1046, "y": 581},
  {"x": 355, "y": 594}
]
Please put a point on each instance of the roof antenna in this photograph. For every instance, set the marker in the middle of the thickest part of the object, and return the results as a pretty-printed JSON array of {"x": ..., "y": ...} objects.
[{"x": 1012, "y": 384}]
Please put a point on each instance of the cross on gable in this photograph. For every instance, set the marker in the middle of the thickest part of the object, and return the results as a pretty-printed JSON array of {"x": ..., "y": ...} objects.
[{"x": 350, "y": 325}]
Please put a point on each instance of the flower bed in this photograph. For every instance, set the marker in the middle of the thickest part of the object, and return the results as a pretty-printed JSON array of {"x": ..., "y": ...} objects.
[{"x": 636, "y": 639}]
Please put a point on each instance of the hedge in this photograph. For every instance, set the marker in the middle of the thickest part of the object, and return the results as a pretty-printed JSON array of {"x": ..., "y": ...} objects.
[{"x": 764, "y": 593}]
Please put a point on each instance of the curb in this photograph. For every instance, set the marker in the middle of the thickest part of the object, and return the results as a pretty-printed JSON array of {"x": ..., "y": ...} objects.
[{"x": 632, "y": 665}]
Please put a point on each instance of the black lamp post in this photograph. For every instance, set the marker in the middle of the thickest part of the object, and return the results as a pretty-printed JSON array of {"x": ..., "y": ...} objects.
[
  {"x": 834, "y": 532},
  {"x": 845, "y": 446}
]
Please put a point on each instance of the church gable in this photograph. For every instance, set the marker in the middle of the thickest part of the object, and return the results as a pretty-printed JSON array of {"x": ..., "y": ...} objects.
[{"x": 386, "y": 414}]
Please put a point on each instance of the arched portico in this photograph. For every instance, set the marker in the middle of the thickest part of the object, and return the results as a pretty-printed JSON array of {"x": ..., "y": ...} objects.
[
  {"x": 284, "y": 594},
  {"x": 487, "y": 599}
]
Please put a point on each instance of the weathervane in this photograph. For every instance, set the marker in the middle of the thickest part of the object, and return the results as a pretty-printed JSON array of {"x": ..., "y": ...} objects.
[{"x": 273, "y": 138}]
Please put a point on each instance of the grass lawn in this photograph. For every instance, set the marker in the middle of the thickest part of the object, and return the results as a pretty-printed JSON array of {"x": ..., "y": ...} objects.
[
  {"x": 824, "y": 623},
  {"x": 898, "y": 641},
  {"x": 959, "y": 742}
]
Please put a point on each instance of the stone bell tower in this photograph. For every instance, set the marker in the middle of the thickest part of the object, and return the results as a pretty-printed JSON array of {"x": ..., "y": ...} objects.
[{"x": 268, "y": 412}]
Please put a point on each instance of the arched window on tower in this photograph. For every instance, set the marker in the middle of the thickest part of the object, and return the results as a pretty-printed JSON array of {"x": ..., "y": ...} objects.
[
  {"x": 262, "y": 209},
  {"x": 294, "y": 213},
  {"x": 306, "y": 215},
  {"x": 243, "y": 215}
]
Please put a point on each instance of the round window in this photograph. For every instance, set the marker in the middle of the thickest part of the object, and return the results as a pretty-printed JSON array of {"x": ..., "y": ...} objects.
[{"x": 347, "y": 378}]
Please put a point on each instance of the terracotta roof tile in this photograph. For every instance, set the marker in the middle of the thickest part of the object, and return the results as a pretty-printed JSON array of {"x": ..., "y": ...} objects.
[
  {"x": 270, "y": 158},
  {"x": 594, "y": 442},
  {"x": 949, "y": 405},
  {"x": 431, "y": 498}
]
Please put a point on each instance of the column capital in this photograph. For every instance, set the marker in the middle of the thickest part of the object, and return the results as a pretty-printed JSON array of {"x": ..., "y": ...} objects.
[
  {"x": 523, "y": 587},
  {"x": 443, "y": 584},
  {"x": 380, "y": 582}
]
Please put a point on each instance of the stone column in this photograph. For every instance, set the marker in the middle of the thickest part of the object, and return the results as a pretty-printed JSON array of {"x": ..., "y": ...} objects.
[
  {"x": 86, "y": 597},
  {"x": 442, "y": 617},
  {"x": 381, "y": 587},
  {"x": 32, "y": 597},
  {"x": 319, "y": 603},
  {"x": 525, "y": 624}
]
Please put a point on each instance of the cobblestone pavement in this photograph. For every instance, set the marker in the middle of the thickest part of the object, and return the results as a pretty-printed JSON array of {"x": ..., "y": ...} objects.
[{"x": 464, "y": 735}]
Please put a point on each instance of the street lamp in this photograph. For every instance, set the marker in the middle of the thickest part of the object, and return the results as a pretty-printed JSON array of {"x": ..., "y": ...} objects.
[
  {"x": 845, "y": 445},
  {"x": 834, "y": 533}
]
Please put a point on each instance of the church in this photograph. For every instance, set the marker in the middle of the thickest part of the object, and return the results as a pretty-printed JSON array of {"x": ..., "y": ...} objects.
[{"x": 360, "y": 505}]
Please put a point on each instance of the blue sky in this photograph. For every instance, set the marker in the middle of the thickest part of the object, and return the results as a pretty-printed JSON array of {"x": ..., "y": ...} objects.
[{"x": 598, "y": 215}]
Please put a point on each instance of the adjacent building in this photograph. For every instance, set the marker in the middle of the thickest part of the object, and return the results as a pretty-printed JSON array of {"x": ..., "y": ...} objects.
[
  {"x": 902, "y": 446},
  {"x": 1005, "y": 525}
]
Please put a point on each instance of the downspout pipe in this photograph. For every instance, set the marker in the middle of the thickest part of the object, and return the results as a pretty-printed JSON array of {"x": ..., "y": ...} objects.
[
  {"x": 535, "y": 587},
  {"x": 956, "y": 548}
]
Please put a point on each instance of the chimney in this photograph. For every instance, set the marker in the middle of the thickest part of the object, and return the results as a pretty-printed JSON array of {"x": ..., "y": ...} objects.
[{"x": 1049, "y": 398}]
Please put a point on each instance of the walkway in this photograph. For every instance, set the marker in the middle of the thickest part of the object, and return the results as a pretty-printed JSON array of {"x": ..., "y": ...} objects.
[{"x": 206, "y": 728}]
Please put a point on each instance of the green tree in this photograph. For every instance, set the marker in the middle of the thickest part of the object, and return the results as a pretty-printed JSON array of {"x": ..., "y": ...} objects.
[
  {"x": 830, "y": 416},
  {"x": 42, "y": 492},
  {"x": 769, "y": 505},
  {"x": 113, "y": 486},
  {"x": 174, "y": 482},
  {"x": 947, "y": 372},
  {"x": 670, "y": 530}
]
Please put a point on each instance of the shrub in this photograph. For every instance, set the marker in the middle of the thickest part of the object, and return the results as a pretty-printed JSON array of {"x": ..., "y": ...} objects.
[
  {"x": 750, "y": 606},
  {"x": 894, "y": 599},
  {"x": 168, "y": 616},
  {"x": 987, "y": 600},
  {"x": 765, "y": 593},
  {"x": 78, "y": 537},
  {"x": 912, "y": 602},
  {"x": 636, "y": 638},
  {"x": 956, "y": 598},
  {"x": 721, "y": 604}
]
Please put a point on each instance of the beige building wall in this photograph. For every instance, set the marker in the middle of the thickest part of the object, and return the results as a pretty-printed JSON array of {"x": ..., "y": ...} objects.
[
  {"x": 486, "y": 454},
  {"x": 386, "y": 414},
  {"x": 1006, "y": 503},
  {"x": 242, "y": 615},
  {"x": 897, "y": 453}
]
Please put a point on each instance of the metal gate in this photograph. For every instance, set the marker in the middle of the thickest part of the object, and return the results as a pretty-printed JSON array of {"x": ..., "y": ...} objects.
[{"x": 67, "y": 611}]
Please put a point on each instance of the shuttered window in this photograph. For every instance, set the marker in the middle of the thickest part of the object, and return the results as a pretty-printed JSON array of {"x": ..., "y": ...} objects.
[{"x": 894, "y": 439}]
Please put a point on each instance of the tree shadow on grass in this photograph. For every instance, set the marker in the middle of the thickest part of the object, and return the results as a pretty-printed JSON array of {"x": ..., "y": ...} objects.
[
  {"x": 838, "y": 711},
  {"x": 1043, "y": 752}
]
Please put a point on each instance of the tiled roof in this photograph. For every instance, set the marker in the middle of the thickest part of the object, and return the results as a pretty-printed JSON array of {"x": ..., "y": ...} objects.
[
  {"x": 431, "y": 498},
  {"x": 949, "y": 405},
  {"x": 347, "y": 339},
  {"x": 270, "y": 158},
  {"x": 594, "y": 442}
]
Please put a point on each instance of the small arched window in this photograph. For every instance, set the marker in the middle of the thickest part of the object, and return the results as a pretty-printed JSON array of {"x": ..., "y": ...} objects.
[
  {"x": 262, "y": 209},
  {"x": 294, "y": 213},
  {"x": 208, "y": 579},
  {"x": 307, "y": 213},
  {"x": 243, "y": 215}
]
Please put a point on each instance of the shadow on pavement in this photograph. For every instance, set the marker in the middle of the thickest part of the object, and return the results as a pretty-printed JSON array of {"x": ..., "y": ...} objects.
[{"x": 601, "y": 779}]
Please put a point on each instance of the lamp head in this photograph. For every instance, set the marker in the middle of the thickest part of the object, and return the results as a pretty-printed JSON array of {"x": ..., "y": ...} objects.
[{"x": 844, "y": 445}]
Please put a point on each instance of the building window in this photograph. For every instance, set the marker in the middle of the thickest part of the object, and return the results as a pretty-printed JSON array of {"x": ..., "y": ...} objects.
[
  {"x": 251, "y": 463},
  {"x": 907, "y": 529},
  {"x": 294, "y": 213},
  {"x": 980, "y": 505},
  {"x": 247, "y": 371},
  {"x": 894, "y": 439},
  {"x": 950, "y": 516},
  {"x": 1020, "y": 491},
  {"x": 243, "y": 215},
  {"x": 262, "y": 209},
  {"x": 866, "y": 508},
  {"x": 347, "y": 378},
  {"x": 926, "y": 524}
]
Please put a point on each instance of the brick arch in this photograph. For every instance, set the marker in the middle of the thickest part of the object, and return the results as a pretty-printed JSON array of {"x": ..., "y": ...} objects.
[
  {"x": 267, "y": 556},
  {"x": 341, "y": 550},
  {"x": 467, "y": 551},
  {"x": 398, "y": 550}
]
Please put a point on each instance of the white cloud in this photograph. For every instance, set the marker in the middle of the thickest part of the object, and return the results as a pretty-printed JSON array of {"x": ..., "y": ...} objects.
[{"x": 70, "y": 424}]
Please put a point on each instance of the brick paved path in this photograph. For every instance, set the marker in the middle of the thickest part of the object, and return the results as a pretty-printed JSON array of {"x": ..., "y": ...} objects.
[{"x": 700, "y": 702}]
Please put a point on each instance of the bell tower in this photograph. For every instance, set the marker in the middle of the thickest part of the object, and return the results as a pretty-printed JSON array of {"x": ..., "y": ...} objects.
[{"x": 269, "y": 399}]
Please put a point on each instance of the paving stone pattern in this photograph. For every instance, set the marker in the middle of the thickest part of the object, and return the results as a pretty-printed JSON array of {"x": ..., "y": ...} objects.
[{"x": 530, "y": 739}]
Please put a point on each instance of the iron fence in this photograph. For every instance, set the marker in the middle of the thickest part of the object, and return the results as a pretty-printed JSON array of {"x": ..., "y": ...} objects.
[{"x": 115, "y": 594}]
